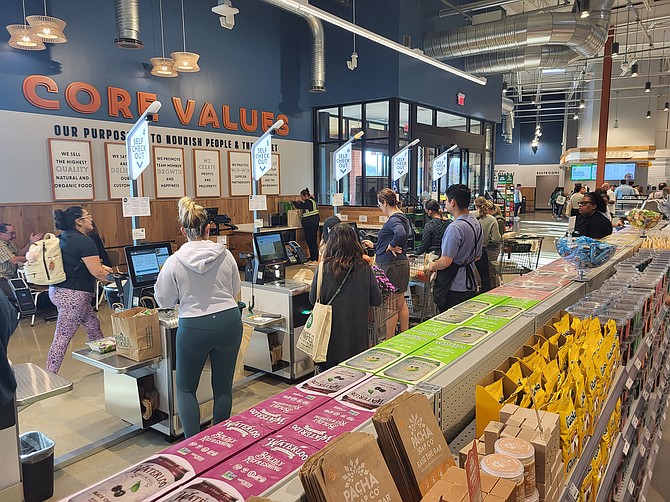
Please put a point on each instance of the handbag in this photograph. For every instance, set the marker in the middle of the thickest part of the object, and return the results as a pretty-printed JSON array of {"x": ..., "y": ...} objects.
[
  {"x": 560, "y": 200},
  {"x": 315, "y": 336}
]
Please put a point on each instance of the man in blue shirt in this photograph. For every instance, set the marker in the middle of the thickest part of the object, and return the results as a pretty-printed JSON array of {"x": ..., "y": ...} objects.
[
  {"x": 461, "y": 247},
  {"x": 623, "y": 190},
  {"x": 518, "y": 199}
]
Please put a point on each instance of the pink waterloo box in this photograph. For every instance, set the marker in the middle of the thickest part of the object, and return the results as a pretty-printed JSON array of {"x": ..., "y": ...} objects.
[
  {"x": 204, "y": 490},
  {"x": 333, "y": 382},
  {"x": 279, "y": 411},
  {"x": 373, "y": 393},
  {"x": 215, "y": 444},
  {"x": 321, "y": 426},
  {"x": 262, "y": 466}
]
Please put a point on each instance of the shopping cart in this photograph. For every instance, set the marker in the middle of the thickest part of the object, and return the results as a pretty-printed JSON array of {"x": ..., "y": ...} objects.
[
  {"x": 419, "y": 296},
  {"x": 520, "y": 255},
  {"x": 378, "y": 316}
]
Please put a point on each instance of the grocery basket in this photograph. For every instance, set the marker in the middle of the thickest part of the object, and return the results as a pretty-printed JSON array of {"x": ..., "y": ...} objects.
[
  {"x": 520, "y": 255},
  {"x": 377, "y": 317},
  {"x": 419, "y": 296}
]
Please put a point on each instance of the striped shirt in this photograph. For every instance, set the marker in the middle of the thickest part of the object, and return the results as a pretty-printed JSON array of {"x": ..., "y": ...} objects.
[{"x": 7, "y": 251}]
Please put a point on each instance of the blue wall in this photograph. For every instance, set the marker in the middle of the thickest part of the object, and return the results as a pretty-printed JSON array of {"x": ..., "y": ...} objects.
[
  {"x": 262, "y": 64},
  {"x": 520, "y": 152}
]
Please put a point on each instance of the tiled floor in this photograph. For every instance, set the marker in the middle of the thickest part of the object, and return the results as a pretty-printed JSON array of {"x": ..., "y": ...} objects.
[{"x": 78, "y": 417}]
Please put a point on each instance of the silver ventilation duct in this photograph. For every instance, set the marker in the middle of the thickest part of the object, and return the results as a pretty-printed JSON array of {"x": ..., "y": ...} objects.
[
  {"x": 527, "y": 58},
  {"x": 128, "y": 24},
  {"x": 507, "y": 119},
  {"x": 535, "y": 30},
  {"x": 318, "y": 45}
]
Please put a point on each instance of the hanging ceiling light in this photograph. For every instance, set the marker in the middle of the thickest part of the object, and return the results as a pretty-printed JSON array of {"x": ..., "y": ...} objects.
[
  {"x": 666, "y": 107},
  {"x": 575, "y": 116},
  {"x": 633, "y": 70},
  {"x": 585, "y": 8},
  {"x": 186, "y": 62},
  {"x": 22, "y": 38},
  {"x": 582, "y": 104},
  {"x": 616, "y": 113},
  {"x": 615, "y": 49},
  {"x": 47, "y": 28},
  {"x": 648, "y": 114},
  {"x": 162, "y": 66},
  {"x": 504, "y": 89},
  {"x": 647, "y": 86}
]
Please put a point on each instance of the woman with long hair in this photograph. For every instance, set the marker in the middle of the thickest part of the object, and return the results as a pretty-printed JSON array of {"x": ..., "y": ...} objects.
[
  {"x": 344, "y": 268},
  {"x": 431, "y": 239},
  {"x": 73, "y": 296},
  {"x": 202, "y": 277},
  {"x": 391, "y": 254},
  {"x": 492, "y": 239},
  {"x": 310, "y": 221}
]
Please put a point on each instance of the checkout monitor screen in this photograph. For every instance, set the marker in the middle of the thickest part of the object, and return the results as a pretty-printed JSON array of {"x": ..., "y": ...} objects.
[
  {"x": 146, "y": 261},
  {"x": 270, "y": 247}
]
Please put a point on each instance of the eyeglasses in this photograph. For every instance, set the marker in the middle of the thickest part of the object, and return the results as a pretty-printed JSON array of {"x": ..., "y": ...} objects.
[
  {"x": 13, "y": 232},
  {"x": 585, "y": 202},
  {"x": 87, "y": 217}
]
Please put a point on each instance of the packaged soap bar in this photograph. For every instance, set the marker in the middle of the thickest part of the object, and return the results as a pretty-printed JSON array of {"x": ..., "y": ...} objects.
[
  {"x": 413, "y": 369},
  {"x": 333, "y": 382},
  {"x": 372, "y": 393},
  {"x": 467, "y": 334},
  {"x": 279, "y": 411},
  {"x": 374, "y": 359},
  {"x": 445, "y": 351},
  {"x": 430, "y": 328},
  {"x": 204, "y": 490}
]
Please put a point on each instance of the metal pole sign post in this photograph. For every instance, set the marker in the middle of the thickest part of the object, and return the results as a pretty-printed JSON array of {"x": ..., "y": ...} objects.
[
  {"x": 138, "y": 154},
  {"x": 400, "y": 164},
  {"x": 342, "y": 161},
  {"x": 261, "y": 158}
]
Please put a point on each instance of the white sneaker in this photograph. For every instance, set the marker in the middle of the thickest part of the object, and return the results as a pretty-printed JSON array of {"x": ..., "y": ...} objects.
[{"x": 517, "y": 218}]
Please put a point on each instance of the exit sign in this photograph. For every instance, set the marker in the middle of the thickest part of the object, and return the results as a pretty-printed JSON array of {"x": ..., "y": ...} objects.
[{"x": 460, "y": 99}]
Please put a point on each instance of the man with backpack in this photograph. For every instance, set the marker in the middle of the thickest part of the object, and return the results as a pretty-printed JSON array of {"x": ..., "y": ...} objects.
[{"x": 11, "y": 257}]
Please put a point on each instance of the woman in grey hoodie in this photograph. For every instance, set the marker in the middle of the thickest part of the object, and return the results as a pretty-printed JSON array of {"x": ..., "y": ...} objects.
[{"x": 202, "y": 277}]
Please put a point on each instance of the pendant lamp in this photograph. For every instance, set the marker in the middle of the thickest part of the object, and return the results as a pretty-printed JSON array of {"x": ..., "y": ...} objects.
[
  {"x": 162, "y": 66},
  {"x": 47, "y": 28},
  {"x": 22, "y": 38},
  {"x": 186, "y": 62}
]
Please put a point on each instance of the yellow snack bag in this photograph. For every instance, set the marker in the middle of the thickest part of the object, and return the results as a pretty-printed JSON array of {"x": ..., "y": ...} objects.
[
  {"x": 496, "y": 390},
  {"x": 544, "y": 350},
  {"x": 581, "y": 402},
  {"x": 565, "y": 408},
  {"x": 563, "y": 357},
  {"x": 535, "y": 361},
  {"x": 587, "y": 492},
  {"x": 551, "y": 370},
  {"x": 551, "y": 385},
  {"x": 514, "y": 373},
  {"x": 563, "y": 326}
]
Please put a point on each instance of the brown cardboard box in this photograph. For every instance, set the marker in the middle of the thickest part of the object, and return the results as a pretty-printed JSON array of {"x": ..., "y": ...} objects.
[
  {"x": 463, "y": 454},
  {"x": 504, "y": 489},
  {"x": 546, "y": 332},
  {"x": 507, "y": 411},
  {"x": 455, "y": 476},
  {"x": 491, "y": 435},
  {"x": 437, "y": 492},
  {"x": 488, "y": 481},
  {"x": 487, "y": 408},
  {"x": 510, "y": 432},
  {"x": 492, "y": 498},
  {"x": 515, "y": 421}
]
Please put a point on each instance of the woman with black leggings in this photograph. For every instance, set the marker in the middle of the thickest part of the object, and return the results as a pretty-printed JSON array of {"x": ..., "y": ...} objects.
[
  {"x": 202, "y": 277},
  {"x": 310, "y": 221}
]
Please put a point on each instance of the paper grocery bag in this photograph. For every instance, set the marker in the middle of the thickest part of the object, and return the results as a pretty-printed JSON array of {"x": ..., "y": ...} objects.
[
  {"x": 137, "y": 333},
  {"x": 247, "y": 330},
  {"x": 294, "y": 218}
]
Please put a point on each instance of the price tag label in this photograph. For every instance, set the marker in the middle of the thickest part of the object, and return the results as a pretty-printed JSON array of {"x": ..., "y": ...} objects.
[
  {"x": 626, "y": 447},
  {"x": 638, "y": 364},
  {"x": 648, "y": 341},
  {"x": 574, "y": 491},
  {"x": 647, "y": 434},
  {"x": 629, "y": 383},
  {"x": 656, "y": 447},
  {"x": 645, "y": 394},
  {"x": 631, "y": 487},
  {"x": 635, "y": 421},
  {"x": 643, "y": 450}
]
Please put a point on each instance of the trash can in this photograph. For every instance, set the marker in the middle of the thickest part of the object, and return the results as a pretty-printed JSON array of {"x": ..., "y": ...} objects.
[
  {"x": 523, "y": 205},
  {"x": 37, "y": 466}
]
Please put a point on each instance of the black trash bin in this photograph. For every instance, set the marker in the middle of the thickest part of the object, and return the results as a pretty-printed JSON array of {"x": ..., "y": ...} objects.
[
  {"x": 523, "y": 205},
  {"x": 37, "y": 466}
]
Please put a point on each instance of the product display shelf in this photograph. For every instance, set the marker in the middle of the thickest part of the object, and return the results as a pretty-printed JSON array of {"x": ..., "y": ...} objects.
[
  {"x": 624, "y": 378},
  {"x": 651, "y": 464}
]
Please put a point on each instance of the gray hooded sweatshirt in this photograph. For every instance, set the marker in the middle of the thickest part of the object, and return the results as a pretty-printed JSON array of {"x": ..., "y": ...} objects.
[{"x": 202, "y": 277}]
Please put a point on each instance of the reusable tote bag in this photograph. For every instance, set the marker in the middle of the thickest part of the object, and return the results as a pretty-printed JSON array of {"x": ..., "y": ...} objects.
[{"x": 315, "y": 336}]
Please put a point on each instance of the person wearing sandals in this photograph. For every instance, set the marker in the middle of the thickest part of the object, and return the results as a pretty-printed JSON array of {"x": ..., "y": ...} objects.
[{"x": 350, "y": 286}]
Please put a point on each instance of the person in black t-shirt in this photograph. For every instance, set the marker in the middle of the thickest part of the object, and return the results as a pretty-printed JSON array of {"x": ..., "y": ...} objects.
[
  {"x": 73, "y": 296},
  {"x": 590, "y": 220},
  {"x": 310, "y": 222}
]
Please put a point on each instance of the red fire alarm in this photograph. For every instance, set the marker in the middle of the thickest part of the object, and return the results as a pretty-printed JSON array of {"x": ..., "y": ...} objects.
[{"x": 460, "y": 99}]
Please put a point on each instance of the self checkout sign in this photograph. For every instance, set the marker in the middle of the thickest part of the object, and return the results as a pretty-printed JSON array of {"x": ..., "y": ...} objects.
[
  {"x": 440, "y": 164},
  {"x": 342, "y": 161},
  {"x": 400, "y": 163},
  {"x": 261, "y": 157}
]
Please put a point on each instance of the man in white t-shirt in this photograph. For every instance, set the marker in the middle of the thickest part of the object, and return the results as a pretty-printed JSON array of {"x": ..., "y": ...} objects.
[{"x": 611, "y": 198}]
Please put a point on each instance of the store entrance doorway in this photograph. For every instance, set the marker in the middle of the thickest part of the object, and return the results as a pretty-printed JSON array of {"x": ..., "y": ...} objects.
[{"x": 544, "y": 187}]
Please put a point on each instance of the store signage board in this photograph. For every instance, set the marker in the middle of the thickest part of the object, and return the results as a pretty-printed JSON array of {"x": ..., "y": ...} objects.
[
  {"x": 169, "y": 173},
  {"x": 473, "y": 474},
  {"x": 71, "y": 169},
  {"x": 440, "y": 165},
  {"x": 239, "y": 173},
  {"x": 270, "y": 183},
  {"x": 342, "y": 161},
  {"x": 118, "y": 181},
  {"x": 400, "y": 164},
  {"x": 261, "y": 157},
  {"x": 207, "y": 172},
  {"x": 137, "y": 143}
]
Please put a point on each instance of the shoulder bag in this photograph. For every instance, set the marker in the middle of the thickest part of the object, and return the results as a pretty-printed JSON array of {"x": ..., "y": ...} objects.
[{"x": 315, "y": 336}]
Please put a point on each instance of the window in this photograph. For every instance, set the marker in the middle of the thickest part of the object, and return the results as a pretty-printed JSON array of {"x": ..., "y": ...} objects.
[
  {"x": 377, "y": 166},
  {"x": 328, "y": 125},
  {"x": 452, "y": 121},
  {"x": 351, "y": 120},
  {"x": 377, "y": 120},
  {"x": 475, "y": 174},
  {"x": 403, "y": 126},
  {"x": 424, "y": 172},
  {"x": 424, "y": 115},
  {"x": 475, "y": 126}
]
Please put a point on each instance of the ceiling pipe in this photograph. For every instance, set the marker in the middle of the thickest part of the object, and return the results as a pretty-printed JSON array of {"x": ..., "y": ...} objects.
[
  {"x": 549, "y": 34},
  {"x": 507, "y": 119},
  {"x": 128, "y": 24},
  {"x": 318, "y": 44}
]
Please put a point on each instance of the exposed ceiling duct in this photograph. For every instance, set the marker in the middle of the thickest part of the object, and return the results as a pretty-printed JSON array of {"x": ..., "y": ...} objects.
[
  {"x": 537, "y": 30},
  {"x": 507, "y": 119},
  {"x": 318, "y": 44},
  {"x": 128, "y": 24}
]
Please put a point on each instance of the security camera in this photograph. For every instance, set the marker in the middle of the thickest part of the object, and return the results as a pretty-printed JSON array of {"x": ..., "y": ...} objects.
[{"x": 227, "y": 12}]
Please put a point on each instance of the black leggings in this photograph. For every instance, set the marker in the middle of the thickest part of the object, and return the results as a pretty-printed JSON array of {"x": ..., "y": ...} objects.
[{"x": 311, "y": 231}]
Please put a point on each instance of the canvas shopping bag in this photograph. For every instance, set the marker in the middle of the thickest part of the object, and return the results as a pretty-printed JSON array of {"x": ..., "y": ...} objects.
[
  {"x": 137, "y": 333},
  {"x": 247, "y": 330},
  {"x": 317, "y": 328},
  {"x": 294, "y": 218}
]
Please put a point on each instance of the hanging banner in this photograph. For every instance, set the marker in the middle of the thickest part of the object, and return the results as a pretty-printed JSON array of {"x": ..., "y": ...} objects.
[
  {"x": 440, "y": 165},
  {"x": 261, "y": 158},
  {"x": 342, "y": 161},
  {"x": 400, "y": 164}
]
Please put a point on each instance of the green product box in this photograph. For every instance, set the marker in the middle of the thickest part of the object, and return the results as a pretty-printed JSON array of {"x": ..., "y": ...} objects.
[
  {"x": 487, "y": 322},
  {"x": 374, "y": 359},
  {"x": 431, "y": 328},
  {"x": 406, "y": 342},
  {"x": 445, "y": 351},
  {"x": 412, "y": 369},
  {"x": 491, "y": 299},
  {"x": 523, "y": 303}
]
